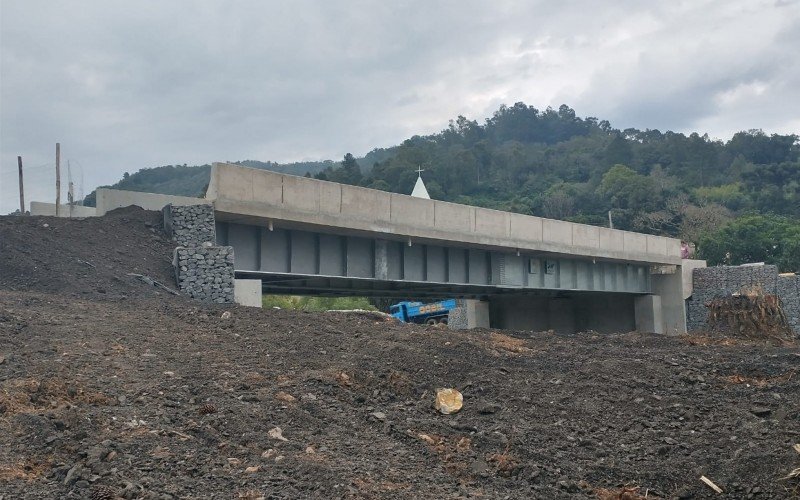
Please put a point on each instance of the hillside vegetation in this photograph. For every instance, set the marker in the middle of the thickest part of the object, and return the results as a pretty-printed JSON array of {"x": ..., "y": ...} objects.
[{"x": 739, "y": 200}]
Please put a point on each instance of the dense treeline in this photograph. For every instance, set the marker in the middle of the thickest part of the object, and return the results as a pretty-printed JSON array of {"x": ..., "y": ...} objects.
[
  {"x": 554, "y": 164},
  {"x": 718, "y": 194}
]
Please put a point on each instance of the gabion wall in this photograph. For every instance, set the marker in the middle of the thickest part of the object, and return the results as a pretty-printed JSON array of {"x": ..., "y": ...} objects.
[
  {"x": 715, "y": 282},
  {"x": 457, "y": 318},
  {"x": 190, "y": 226},
  {"x": 205, "y": 273},
  {"x": 789, "y": 292},
  {"x": 203, "y": 270}
]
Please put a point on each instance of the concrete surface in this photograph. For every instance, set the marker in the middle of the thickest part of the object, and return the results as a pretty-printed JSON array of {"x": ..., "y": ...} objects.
[
  {"x": 648, "y": 314},
  {"x": 477, "y": 313},
  {"x": 687, "y": 268},
  {"x": 42, "y": 208},
  {"x": 241, "y": 194},
  {"x": 110, "y": 199},
  {"x": 673, "y": 307},
  {"x": 247, "y": 292}
]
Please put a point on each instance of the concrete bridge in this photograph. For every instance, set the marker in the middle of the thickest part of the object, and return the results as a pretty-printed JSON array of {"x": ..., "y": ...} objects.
[
  {"x": 301, "y": 235},
  {"x": 304, "y": 236}
]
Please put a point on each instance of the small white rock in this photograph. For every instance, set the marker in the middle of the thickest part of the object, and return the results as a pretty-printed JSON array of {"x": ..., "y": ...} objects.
[{"x": 276, "y": 433}]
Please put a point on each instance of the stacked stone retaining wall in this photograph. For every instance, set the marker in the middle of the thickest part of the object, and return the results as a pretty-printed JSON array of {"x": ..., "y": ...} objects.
[
  {"x": 205, "y": 273},
  {"x": 789, "y": 291},
  {"x": 203, "y": 270},
  {"x": 722, "y": 281},
  {"x": 457, "y": 318},
  {"x": 190, "y": 226}
]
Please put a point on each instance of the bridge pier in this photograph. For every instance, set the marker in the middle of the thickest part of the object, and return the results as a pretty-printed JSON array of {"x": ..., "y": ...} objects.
[
  {"x": 649, "y": 314},
  {"x": 470, "y": 313},
  {"x": 669, "y": 287}
]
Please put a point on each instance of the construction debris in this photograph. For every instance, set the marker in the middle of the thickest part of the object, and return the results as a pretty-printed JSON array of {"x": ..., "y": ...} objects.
[
  {"x": 448, "y": 401},
  {"x": 792, "y": 475},
  {"x": 276, "y": 433},
  {"x": 711, "y": 484},
  {"x": 750, "y": 313},
  {"x": 150, "y": 281}
]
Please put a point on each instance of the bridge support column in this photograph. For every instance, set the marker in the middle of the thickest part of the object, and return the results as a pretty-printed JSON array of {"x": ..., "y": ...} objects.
[
  {"x": 247, "y": 292},
  {"x": 648, "y": 312},
  {"x": 469, "y": 314},
  {"x": 669, "y": 287},
  {"x": 381, "y": 260}
]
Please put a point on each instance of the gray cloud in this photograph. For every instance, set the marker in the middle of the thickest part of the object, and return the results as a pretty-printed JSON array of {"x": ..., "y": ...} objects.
[{"x": 127, "y": 85}]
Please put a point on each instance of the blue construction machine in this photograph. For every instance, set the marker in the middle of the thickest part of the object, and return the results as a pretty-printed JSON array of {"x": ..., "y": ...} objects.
[{"x": 417, "y": 312}]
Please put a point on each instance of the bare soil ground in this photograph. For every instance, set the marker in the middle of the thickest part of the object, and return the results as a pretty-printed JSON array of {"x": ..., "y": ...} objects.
[{"x": 103, "y": 378}]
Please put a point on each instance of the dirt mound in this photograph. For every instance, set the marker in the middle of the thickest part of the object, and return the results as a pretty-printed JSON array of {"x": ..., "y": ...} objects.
[
  {"x": 159, "y": 397},
  {"x": 86, "y": 257}
]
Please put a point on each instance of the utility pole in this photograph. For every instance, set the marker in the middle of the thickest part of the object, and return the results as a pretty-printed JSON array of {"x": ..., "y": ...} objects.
[
  {"x": 70, "y": 193},
  {"x": 58, "y": 179},
  {"x": 21, "y": 190},
  {"x": 610, "y": 222},
  {"x": 70, "y": 198}
]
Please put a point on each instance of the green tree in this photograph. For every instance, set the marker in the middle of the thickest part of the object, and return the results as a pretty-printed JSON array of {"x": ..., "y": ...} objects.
[
  {"x": 755, "y": 238},
  {"x": 728, "y": 195},
  {"x": 618, "y": 151},
  {"x": 626, "y": 189}
]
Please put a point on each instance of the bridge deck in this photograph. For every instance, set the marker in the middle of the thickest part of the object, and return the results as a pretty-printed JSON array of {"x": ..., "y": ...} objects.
[{"x": 256, "y": 197}]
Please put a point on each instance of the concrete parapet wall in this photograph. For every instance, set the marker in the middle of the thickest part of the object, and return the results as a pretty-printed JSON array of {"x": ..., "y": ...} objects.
[
  {"x": 191, "y": 225},
  {"x": 716, "y": 282},
  {"x": 408, "y": 211},
  {"x": 42, "y": 208},
  {"x": 110, "y": 199},
  {"x": 205, "y": 273},
  {"x": 245, "y": 192}
]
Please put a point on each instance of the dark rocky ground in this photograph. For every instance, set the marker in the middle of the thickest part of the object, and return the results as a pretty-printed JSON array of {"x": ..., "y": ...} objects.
[{"x": 103, "y": 376}]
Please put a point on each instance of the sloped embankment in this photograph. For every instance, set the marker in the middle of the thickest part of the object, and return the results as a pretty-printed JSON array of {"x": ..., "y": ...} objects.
[{"x": 90, "y": 257}]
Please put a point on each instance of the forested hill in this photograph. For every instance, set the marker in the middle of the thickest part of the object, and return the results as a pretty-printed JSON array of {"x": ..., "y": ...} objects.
[{"x": 738, "y": 199}]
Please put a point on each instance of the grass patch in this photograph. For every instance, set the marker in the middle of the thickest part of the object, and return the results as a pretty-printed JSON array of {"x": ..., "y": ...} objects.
[{"x": 308, "y": 303}]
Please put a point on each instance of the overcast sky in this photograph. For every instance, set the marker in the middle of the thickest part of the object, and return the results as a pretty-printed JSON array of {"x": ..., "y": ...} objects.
[{"x": 125, "y": 85}]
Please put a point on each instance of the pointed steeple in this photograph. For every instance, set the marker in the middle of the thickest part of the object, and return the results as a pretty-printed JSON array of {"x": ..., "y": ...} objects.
[{"x": 420, "y": 191}]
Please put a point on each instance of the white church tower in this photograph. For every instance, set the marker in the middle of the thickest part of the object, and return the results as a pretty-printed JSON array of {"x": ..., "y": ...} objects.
[{"x": 420, "y": 191}]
